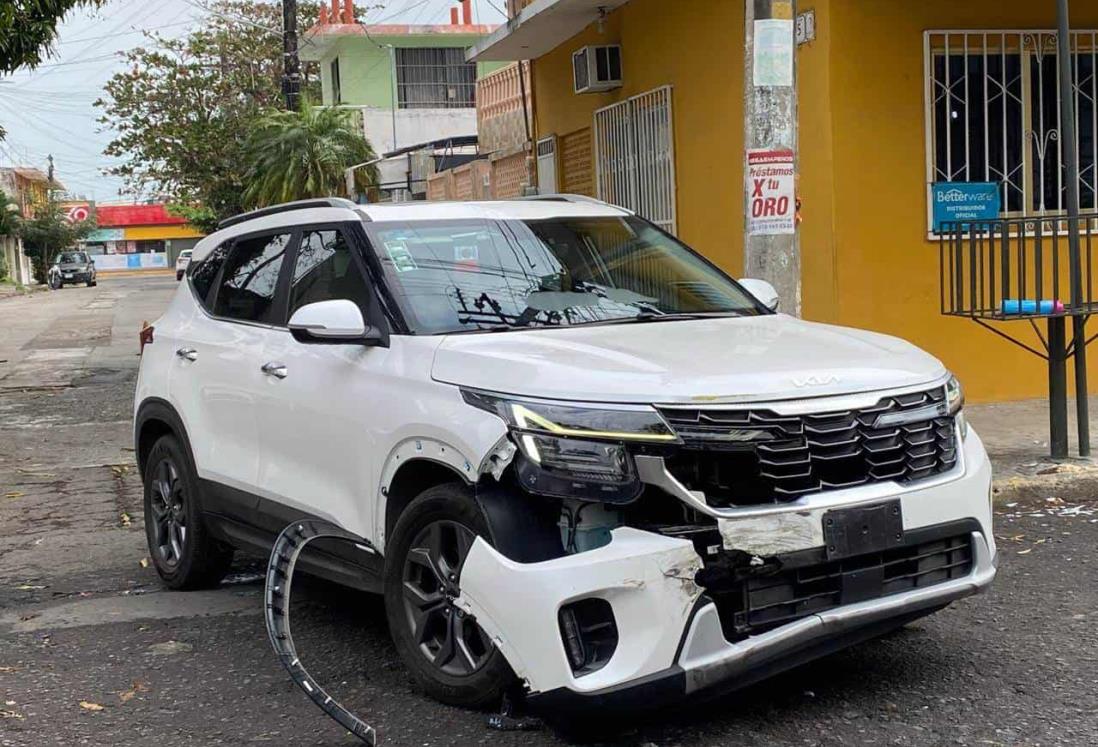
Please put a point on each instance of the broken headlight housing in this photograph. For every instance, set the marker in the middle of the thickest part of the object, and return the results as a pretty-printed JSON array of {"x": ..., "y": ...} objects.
[{"x": 576, "y": 451}]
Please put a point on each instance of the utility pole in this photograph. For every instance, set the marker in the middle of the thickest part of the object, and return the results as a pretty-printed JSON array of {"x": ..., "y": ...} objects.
[
  {"x": 771, "y": 248},
  {"x": 291, "y": 63}
]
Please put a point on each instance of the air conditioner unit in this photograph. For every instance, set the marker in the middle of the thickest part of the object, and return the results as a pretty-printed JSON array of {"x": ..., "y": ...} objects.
[{"x": 596, "y": 68}]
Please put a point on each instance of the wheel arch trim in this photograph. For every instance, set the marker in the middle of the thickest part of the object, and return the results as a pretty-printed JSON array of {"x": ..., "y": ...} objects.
[
  {"x": 407, "y": 452},
  {"x": 160, "y": 410}
]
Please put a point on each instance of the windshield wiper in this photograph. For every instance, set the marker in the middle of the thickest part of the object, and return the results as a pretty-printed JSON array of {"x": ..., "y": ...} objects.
[{"x": 649, "y": 316}]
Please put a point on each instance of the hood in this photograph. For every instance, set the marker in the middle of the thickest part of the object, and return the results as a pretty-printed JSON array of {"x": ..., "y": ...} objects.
[{"x": 706, "y": 360}]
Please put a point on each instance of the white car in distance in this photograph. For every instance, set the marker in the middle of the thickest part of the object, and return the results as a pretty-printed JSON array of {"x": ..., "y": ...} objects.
[
  {"x": 182, "y": 262},
  {"x": 589, "y": 460}
]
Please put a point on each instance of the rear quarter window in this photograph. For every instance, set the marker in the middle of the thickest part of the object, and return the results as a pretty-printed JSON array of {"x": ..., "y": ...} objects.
[{"x": 205, "y": 272}]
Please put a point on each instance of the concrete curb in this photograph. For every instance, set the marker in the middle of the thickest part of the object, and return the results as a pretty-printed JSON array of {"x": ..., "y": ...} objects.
[{"x": 1069, "y": 482}]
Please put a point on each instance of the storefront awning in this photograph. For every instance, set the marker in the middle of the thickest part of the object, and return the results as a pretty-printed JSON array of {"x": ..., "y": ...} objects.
[{"x": 539, "y": 27}]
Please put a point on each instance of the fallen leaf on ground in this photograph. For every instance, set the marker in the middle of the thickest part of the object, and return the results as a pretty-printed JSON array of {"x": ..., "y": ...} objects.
[
  {"x": 144, "y": 562},
  {"x": 14, "y": 494},
  {"x": 138, "y": 687},
  {"x": 7, "y": 670},
  {"x": 10, "y": 714},
  {"x": 28, "y": 587},
  {"x": 89, "y": 706},
  {"x": 1027, "y": 551},
  {"x": 124, "y": 518}
]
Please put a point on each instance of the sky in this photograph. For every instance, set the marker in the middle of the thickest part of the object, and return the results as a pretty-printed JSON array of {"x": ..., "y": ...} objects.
[{"x": 49, "y": 110}]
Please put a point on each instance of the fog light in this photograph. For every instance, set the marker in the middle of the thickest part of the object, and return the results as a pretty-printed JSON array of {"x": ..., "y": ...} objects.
[{"x": 589, "y": 634}]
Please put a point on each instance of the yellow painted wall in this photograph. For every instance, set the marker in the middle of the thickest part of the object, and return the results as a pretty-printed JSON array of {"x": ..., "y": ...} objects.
[
  {"x": 151, "y": 233},
  {"x": 697, "y": 47},
  {"x": 887, "y": 271},
  {"x": 865, "y": 258}
]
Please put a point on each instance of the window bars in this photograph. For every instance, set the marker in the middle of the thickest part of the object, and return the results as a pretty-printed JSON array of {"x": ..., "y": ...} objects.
[
  {"x": 992, "y": 115},
  {"x": 635, "y": 156},
  {"x": 435, "y": 78}
]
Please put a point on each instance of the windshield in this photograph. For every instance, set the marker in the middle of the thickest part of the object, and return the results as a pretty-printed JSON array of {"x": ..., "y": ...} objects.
[
  {"x": 469, "y": 275},
  {"x": 72, "y": 257}
]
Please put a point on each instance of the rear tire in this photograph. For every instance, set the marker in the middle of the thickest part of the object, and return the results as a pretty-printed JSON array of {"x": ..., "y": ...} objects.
[
  {"x": 448, "y": 654},
  {"x": 182, "y": 550}
]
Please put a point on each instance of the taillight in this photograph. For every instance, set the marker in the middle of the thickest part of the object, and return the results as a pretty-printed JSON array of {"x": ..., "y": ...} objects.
[{"x": 145, "y": 337}]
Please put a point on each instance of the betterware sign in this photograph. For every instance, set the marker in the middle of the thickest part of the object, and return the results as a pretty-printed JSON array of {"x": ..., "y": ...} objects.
[
  {"x": 964, "y": 201},
  {"x": 771, "y": 192}
]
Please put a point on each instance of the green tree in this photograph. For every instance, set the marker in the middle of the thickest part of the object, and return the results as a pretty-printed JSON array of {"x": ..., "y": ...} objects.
[
  {"x": 297, "y": 155},
  {"x": 182, "y": 110},
  {"x": 28, "y": 27},
  {"x": 48, "y": 233}
]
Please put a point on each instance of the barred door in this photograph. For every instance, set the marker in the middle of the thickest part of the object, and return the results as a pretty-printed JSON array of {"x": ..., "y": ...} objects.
[{"x": 635, "y": 156}]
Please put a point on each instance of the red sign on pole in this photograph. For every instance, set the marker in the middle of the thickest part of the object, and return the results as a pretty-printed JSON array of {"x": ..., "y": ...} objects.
[{"x": 771, "y": 192}]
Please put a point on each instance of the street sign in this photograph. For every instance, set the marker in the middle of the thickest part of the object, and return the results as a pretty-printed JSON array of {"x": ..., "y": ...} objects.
[{"x": 964, "y": 201}]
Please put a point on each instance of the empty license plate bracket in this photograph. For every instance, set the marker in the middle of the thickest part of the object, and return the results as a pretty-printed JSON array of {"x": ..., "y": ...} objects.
[{"x": 863, "y": 529}]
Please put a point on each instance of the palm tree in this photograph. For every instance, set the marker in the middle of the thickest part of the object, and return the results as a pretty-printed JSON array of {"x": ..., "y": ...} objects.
[{"x": 296, "y": 155}]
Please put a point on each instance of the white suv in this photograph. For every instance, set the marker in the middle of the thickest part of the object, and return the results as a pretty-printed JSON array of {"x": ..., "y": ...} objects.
[{"x": 590, "y": 462}]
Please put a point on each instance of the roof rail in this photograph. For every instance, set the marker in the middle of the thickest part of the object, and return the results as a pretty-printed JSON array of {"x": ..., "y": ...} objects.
[
  {"x": 320, "y": 202},
  {"x": 566, "y": 197}
]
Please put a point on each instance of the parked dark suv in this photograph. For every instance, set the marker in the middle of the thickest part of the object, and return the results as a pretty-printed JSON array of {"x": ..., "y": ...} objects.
[{"x": 75, "y": 267}]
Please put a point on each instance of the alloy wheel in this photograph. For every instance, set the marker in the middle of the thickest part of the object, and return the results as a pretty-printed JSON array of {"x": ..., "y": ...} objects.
[
  {"x": 169, "y": 513},
  {"x": 451, "y": 640}
]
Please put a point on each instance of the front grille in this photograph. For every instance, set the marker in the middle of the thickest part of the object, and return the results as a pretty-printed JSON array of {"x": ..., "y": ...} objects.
[
  {"x": 739, "y": 457},
  {"x": 757, "y": 604}
]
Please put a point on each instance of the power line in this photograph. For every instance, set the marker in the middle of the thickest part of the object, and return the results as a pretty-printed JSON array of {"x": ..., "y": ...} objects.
[{"x": 124, "y": 33}]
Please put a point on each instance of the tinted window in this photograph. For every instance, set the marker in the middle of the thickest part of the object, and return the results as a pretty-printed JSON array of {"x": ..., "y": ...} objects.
[
  {"x": 204, "y": 274},
  {"x": 73, "y": 257},
  {"x": 326, "y": 270},
  {"x": 250, "y": 279}
]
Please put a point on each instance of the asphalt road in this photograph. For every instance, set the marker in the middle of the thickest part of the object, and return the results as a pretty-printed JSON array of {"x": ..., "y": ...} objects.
[{"x": 83, "y": 622}]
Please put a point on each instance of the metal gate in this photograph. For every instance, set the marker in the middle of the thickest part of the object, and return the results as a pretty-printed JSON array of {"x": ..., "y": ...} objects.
[{"x": 635, "y": 156}]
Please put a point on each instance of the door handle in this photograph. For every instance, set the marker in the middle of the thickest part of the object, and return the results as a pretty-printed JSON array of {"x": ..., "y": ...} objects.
[
  {"x": 189, "y": 354},
  {"x": 278, "y": 370}
]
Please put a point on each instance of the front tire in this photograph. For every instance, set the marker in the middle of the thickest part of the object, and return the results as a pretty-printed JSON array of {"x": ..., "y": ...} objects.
[
  {"x": 182, "y": 550},
  {"x": 447, "y": 652}
]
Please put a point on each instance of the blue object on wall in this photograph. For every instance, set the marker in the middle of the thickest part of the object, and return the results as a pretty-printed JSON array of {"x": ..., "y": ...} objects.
[
  {"x": 964, "y": 201},
  {"x": 133, "y": 260}
]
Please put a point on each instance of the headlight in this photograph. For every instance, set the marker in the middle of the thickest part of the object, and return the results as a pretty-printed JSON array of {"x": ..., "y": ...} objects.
[
  {"x": 576, "y": 451},
  {"x": 955, "y": 400},
  {"x": 955, "y": 396}
]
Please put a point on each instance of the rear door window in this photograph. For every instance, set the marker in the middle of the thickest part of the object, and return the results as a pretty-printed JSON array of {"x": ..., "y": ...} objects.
[
  {"x": 326, "y": 270},
  {"x": 249, "y": 282}
]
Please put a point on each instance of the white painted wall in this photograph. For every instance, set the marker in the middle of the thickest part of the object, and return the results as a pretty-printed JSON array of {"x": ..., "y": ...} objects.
[{"x": 415, "y": 126}]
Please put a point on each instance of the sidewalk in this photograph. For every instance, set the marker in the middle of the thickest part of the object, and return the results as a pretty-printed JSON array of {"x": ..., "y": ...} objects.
[
  {"x": 10, "y": 290},
  {"x": 1016, "y": 437}
]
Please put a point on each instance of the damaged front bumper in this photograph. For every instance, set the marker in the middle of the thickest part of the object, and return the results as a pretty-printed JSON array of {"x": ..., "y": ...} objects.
[{"x": 671, "y": 639}]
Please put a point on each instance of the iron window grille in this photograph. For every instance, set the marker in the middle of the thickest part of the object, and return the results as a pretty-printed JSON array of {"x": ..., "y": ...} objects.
[
  {"x": 337, "y": 84},
  {"x": 992, "y": 109},
  {"x": 435, "y": 78},
  {"x": 634, "y": 144}
]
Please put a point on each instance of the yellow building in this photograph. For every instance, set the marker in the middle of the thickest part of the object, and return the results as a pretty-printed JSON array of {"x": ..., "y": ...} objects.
[{"x": 892, "y": 96}]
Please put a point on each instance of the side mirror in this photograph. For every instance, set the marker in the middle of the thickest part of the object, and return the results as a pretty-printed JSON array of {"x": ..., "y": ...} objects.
[
  {"x": 336, "y": 322},
  {"x": 763, "y": 291}
]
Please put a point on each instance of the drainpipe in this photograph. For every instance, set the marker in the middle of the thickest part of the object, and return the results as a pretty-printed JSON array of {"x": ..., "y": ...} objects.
[{"x": 1071, "y": 156}]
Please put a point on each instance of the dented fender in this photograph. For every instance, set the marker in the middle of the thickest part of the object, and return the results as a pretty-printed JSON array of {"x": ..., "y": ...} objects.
[{"x": 647, "y": 578}]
